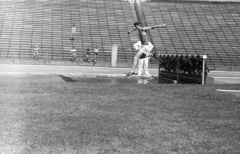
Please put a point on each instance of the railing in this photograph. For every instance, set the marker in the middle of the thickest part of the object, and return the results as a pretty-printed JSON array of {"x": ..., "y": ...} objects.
[{"x": 183, "y": 68}]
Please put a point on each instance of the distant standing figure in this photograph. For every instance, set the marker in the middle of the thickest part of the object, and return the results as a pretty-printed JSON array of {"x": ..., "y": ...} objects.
[
  {"x": 35, "y": 53},
  {"x": 73, "y": 32},
  {"x": 74, "y": 54},
  {"x": 87, "y": 55},
  {"x": 96, "y": 50}
]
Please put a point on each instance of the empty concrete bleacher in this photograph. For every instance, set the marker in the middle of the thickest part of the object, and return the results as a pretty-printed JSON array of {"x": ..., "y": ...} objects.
[
  {"x": 196, "y": 28},
  {"x": 101, "y": 23},
  {"x": 192, "y": 28}
]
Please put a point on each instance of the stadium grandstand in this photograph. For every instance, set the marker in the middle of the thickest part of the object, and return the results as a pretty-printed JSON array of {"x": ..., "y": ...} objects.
[{"x": 193, "y": 27}]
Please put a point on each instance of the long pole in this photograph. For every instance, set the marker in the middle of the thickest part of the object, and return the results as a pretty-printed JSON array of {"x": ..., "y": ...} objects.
[
  {"x": 203, "y": 71},
  {"x": 178, "y": 70},
  {"x": 159, "y": 68}
]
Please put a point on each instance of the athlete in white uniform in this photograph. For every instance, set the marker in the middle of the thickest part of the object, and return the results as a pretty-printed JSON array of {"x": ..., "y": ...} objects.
[
  {"x": 142, "y": 61},
  {"x": 146, "y": 47}
]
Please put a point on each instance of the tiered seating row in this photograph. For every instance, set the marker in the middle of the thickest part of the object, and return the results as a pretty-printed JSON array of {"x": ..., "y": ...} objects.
[
  {"x": 101, "y": 23},
  {"x": 196, "y": 28},
  {"x": 193, "y": 28}
]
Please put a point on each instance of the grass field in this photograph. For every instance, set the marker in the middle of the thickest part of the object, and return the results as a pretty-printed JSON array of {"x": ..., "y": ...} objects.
[{"x": 45, "y": 114}]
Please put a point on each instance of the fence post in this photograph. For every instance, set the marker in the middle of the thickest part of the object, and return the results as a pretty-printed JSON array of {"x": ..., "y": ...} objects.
[
  {"x": 159, "y": 67},
  {"x": 177, "y": 69},
  {"x": 203, "y": 69},
  {"x": 114, "y": 55},
  {"x": 78, "y": 58}
]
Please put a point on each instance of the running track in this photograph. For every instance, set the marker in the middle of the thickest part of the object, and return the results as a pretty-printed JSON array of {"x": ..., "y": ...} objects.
[{"x": 220, "y": 77}]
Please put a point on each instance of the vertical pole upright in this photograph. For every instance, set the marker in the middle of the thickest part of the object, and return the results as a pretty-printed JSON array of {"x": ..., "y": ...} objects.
[
  {"x": 114, "y": 55},
  {"x": 159, "y": 67},
  {"x": 78, "y": 58},
  {"x": 203, "y": 71},
  {"x": 204, "y": 57},
  {"x": 178, "y": 69}
]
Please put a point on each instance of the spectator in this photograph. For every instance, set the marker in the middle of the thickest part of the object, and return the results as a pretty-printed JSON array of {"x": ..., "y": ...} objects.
[
  {"x": 96, "y": 50},
  {"x": 145, "y": 48},
  {"x": 35, "y": 53},
  {"x": 74, "y": 54},
  {"x": 87, "y": 55},
  {"x": 73, "y": 32}
]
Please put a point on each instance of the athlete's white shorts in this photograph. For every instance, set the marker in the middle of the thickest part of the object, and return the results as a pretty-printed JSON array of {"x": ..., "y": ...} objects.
[{"x": 146, "y": 49}]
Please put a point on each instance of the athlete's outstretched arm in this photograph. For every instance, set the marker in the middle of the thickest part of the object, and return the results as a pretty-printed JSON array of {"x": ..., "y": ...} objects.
[
  {"x": 131, "y": 30},
  {"x": 152, "y": 27},
  {"x": 159, "y": 26}
]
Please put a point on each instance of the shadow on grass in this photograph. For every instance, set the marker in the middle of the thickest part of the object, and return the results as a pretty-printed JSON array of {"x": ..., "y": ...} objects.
[{"x": 67, "y": 79}]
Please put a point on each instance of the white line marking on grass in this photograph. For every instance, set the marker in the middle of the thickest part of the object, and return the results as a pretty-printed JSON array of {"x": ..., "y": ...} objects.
[
  {"x": 225, "y": 90},
  {"x": 224, "y": 71},
  {"x": 227, "y": 77}
]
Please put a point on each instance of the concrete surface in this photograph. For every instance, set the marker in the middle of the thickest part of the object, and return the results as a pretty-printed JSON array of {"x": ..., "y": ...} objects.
[{"x": 70, "y": 70}]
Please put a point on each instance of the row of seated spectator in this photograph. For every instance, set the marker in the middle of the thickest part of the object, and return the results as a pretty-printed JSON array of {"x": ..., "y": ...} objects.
[{"x": 95, "y": 51}]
